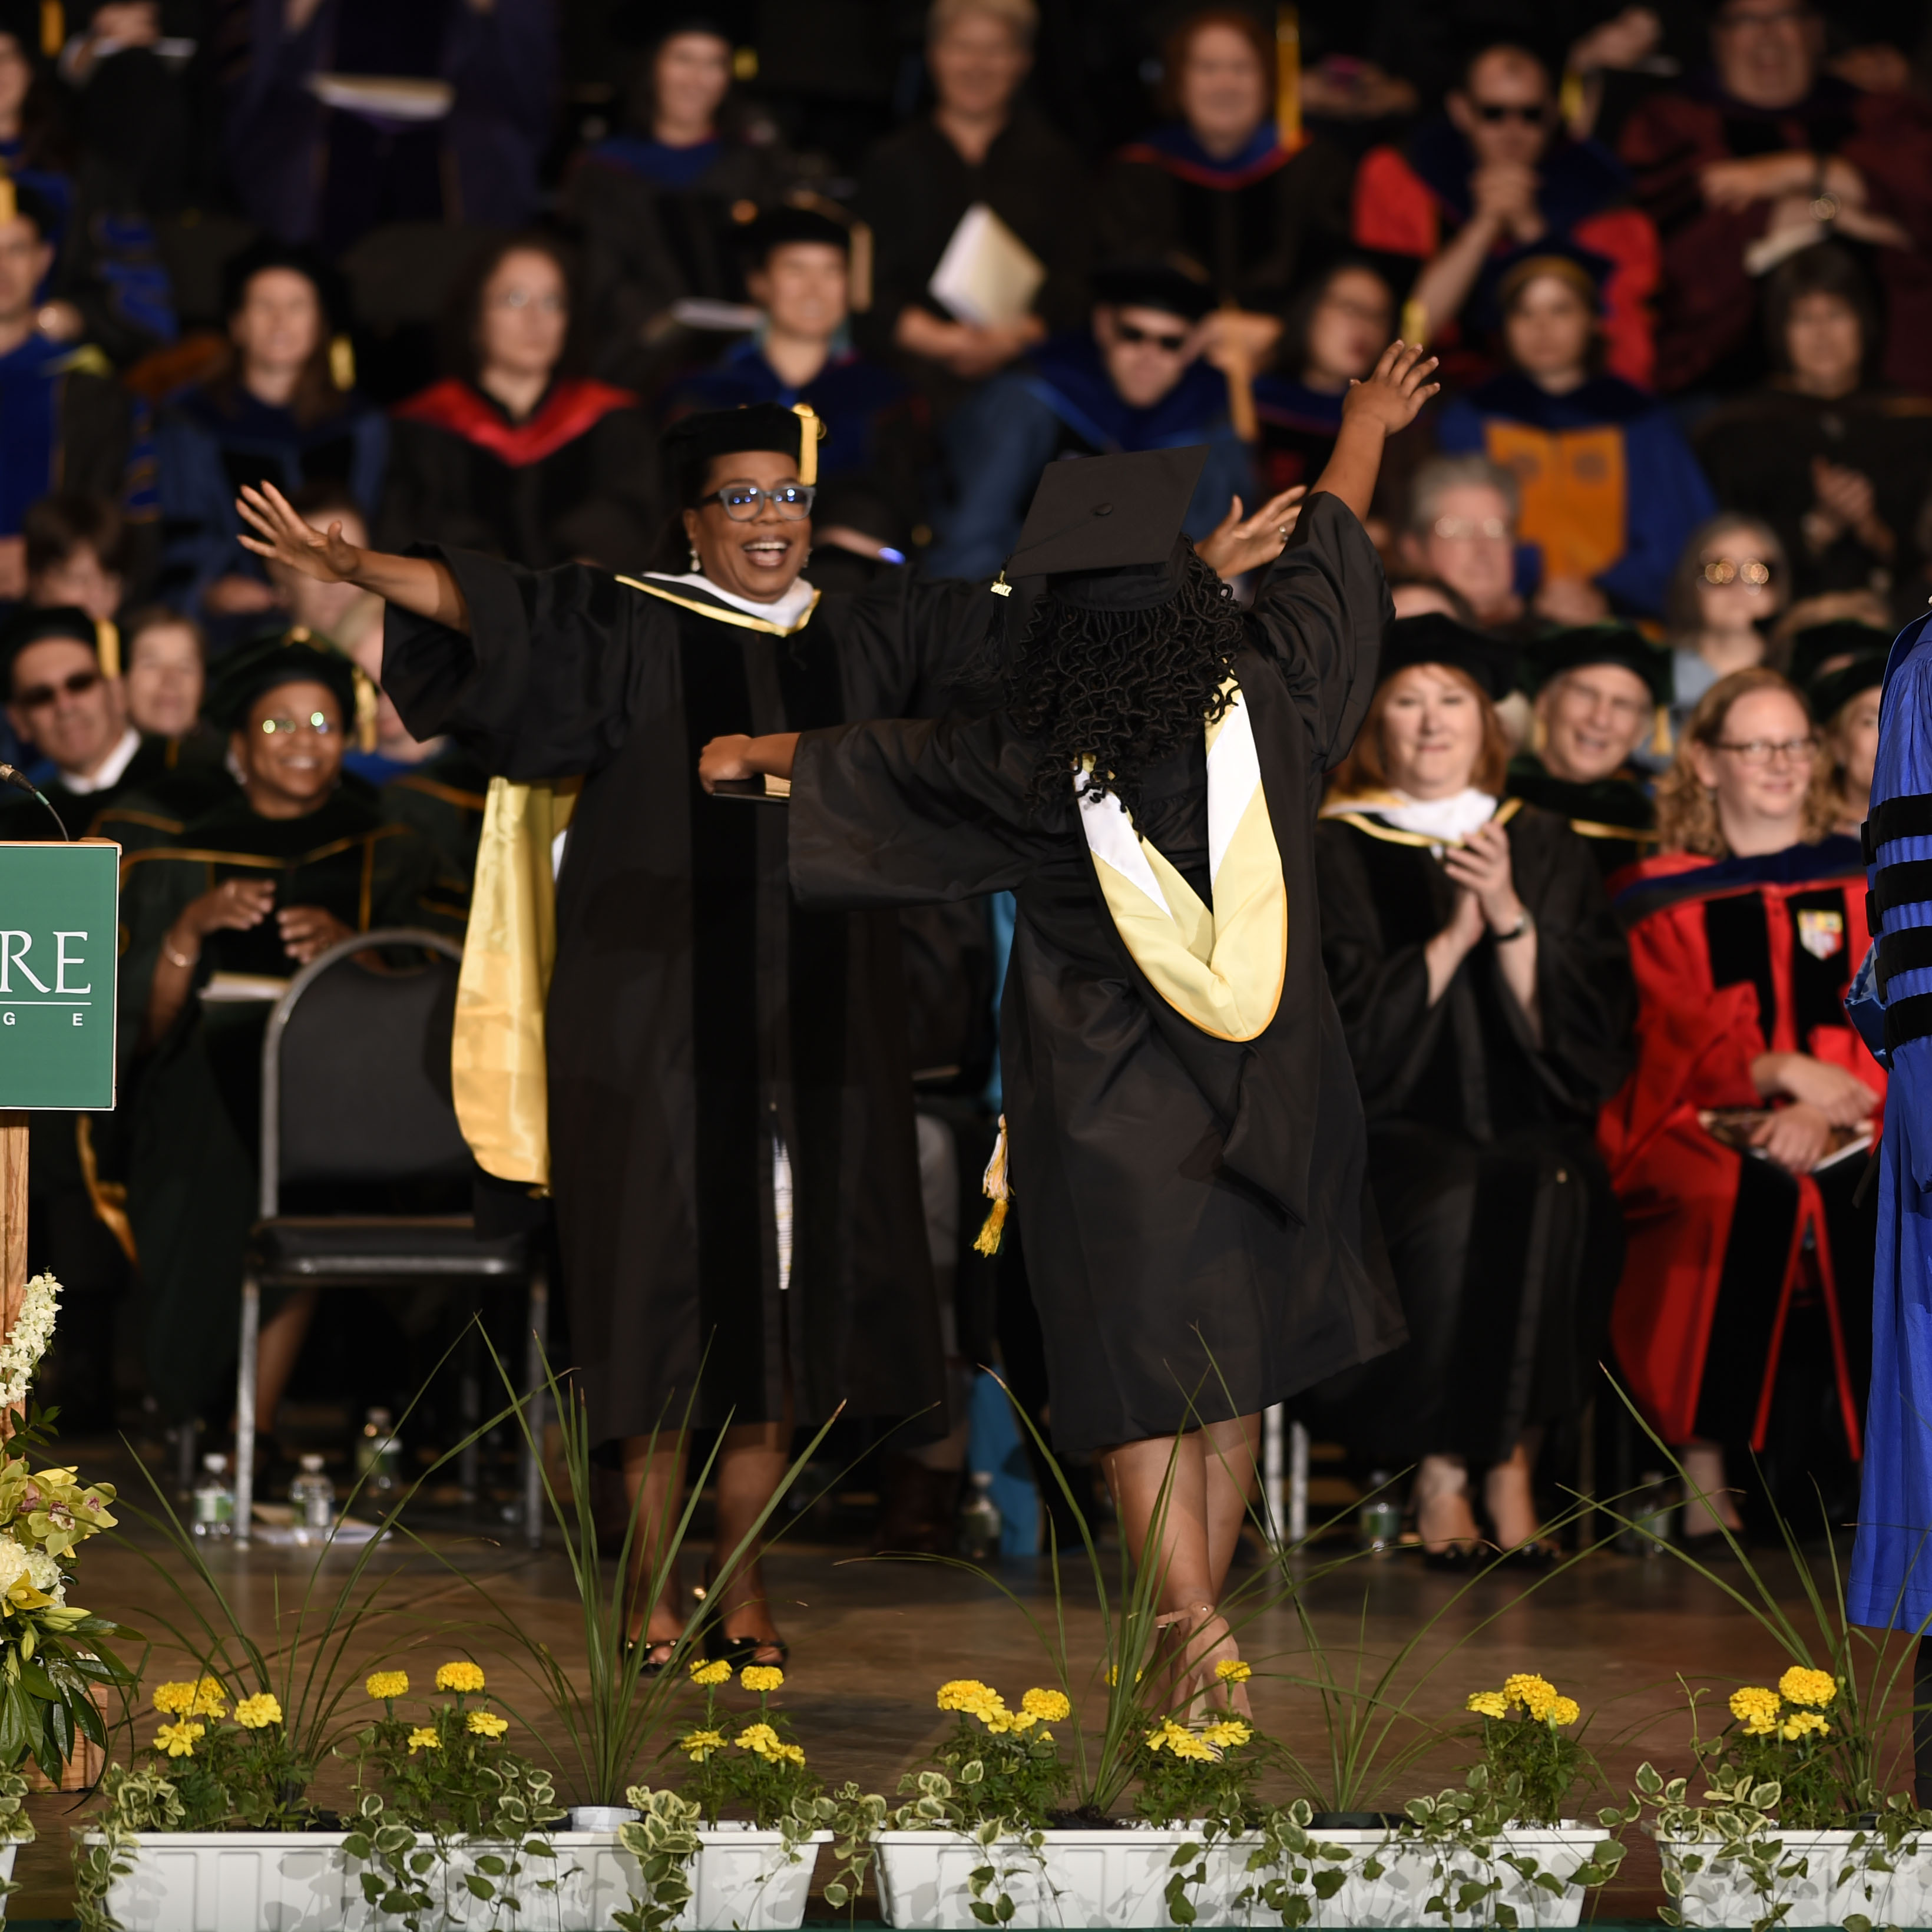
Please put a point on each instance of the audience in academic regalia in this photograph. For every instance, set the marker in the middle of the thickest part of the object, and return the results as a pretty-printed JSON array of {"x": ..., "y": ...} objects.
[
  {"x": 279, "y": 410},
  {"x": 1331, "y": 336},
  {"x": 78, "y": 554},
  {"x": 1745, "y": 1270},
  {"x": 1494, "y": 176},
  {"x": 1834, "y": 460},
  {"x": 1485, "y": 993},
  {"x": 1763, "y": 154},
  {"x": 1609, "y": 489},
  {"x": 513, "y": 452},
  {"x": 1461, "y": 532},
  {"x": 1134, "y": 380},
  {"x": 980, "y": 144},
  {"x": 1730, "y": 584},
  {"x": 1844, "y": 700}
]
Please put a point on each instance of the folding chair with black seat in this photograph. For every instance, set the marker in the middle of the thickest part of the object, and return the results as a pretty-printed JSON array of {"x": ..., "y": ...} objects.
[{"x": 356, "y": 1094}]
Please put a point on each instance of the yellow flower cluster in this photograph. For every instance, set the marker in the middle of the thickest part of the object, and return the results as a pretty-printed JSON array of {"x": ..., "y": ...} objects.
[
  {"x": 388, "y": 1684},
  {"x": 1177, "y": 1739},
  {"x": 1050, "y": 1707},
  {"x": 1232, "y": 1670},
  {"x": 1799, "y": 1685},
  {"x": 203, "y": 1698},
  {"x": 761, "y": 1677},
  {"x": 1487, "y": 1703},
  {"x": 767, "y": 1744},
  {"x": 1225, "y": 1733},
  {"x": 981, "y": 1701},
  {"x": 487, "y": 1724},
  {"x": 1801, "y": 1724},
  {"x": 967, "y": 1694},
  {"x": 710, "y": 1674},
  {"x": 178, "y": 1739},
  {"x": 701, "y": 1744},
  {"x": 423, "y": 1738},
  {"x": 1756, "y": 1709},
  {"x": 258, "y": 1712},
  {"x": 460, "y": 1677},
  {"x": 1540, "y": 1700}
]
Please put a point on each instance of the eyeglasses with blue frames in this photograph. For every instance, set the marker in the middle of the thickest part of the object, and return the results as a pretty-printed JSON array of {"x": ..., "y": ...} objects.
[{"x": 792, "y": 501}]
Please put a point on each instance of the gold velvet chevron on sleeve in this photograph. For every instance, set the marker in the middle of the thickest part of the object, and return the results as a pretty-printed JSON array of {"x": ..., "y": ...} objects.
[
  {"x": 1221, "y": 969},
  {"x": 497, "y": 1070}
]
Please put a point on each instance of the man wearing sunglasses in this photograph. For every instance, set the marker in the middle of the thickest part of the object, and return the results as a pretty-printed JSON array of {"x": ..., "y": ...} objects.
[
  {"x": 1135, "y": 380},
  {"x": 1493, "y": 174}
]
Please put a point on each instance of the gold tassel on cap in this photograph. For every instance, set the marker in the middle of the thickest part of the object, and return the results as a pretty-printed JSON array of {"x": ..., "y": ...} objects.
[
  {"x": 859, "y": 281},
  {"x": 1659, "y": 733},
  {"x": 107, "y": 647},
  {"x": 1414, "y": 329},
  {"x": 342, "y": 363},
  {"x": 365, "y": 711},
  {"x": 993, "y": 1187},
  {"x": 53, "y": 28},
  {"x": 9, "y": 206},
  {"x": 811, "y": 427},
  {"x": 1288, "y": 77}
]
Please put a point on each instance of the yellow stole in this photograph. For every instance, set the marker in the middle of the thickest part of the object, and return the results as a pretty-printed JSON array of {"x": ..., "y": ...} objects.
[{"x": 1221, "y": 969}]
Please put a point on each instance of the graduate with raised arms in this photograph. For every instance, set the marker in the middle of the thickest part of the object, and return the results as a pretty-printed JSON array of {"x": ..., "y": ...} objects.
[{"x": 1142, "y": 765}]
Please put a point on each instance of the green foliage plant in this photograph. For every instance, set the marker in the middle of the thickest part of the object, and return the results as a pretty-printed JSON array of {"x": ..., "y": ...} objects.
[{"x": 744, "y": 1763}]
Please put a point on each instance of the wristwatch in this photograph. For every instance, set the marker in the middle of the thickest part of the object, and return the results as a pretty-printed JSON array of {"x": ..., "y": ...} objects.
[{"x": 1525, "y": 924}]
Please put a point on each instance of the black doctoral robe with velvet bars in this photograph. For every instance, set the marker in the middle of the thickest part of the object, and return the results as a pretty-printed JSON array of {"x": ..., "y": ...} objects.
[
  {"x": 1193, "y": 1207},
  {"x": 694, "y": 1011}
]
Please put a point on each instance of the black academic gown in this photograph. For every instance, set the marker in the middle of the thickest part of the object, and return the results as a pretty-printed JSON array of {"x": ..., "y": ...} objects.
[
  {"x": 694, "y": 1012},
  {"x": 1192, "y": 1208},
  {"x": 443, "y": 799},
  {"x": 1504, "y": 1233},
  {"x": 196, "y": 1097},
  {"x": 1615, "y": 816},
  {"x": 167, "y": 781}
]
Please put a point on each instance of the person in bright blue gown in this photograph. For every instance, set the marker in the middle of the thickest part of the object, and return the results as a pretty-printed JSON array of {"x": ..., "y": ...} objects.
[{"x": 1890, "y": 1581}]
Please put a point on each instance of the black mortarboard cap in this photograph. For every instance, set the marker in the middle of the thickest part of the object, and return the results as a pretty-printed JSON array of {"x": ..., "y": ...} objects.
[
  {"x": 1571, "y": 649},
  {"x": 1432, "y": 638},
  {"x": 650, "y": 23},
  {"x": 1830, "y": 691},
  {"x": 1843, "y": 637},
  {"x": 694, "y": 440},
  {"x": 28, "y": 625},
  {"x": 241, "y": 268},
  {"x": 777, "y": 227},
  {"x": 285, "y": 658},
  {"x": 1106, "y": 529},
  {"x": 1153, "y": 284},
  {"x": 1584, "y": 269}
]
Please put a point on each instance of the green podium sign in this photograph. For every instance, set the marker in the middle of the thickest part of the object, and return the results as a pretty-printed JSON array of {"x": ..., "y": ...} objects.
[{"x": 59, "y": 951}]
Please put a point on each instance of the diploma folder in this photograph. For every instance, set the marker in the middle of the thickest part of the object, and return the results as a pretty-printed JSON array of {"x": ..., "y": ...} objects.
[
  {"x": 765, "y": 790},
  {"x": 988, "y": 275}
]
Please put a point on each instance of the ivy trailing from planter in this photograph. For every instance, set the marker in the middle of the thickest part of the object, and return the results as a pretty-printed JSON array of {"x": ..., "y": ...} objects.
[{"x": 136, "y": 1801}]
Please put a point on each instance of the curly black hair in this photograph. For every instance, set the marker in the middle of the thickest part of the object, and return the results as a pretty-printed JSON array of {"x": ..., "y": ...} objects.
[{"x": 1123, "y": 687}]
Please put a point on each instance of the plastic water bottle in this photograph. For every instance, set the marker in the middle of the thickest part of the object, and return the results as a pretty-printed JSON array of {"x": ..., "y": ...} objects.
[
  {"x": 979, "y": 1523},
  {"x": 1379, "y": 1521},
  {"x": 378, "y": 1457},
  {"x": 1653, "y": 1516},
  {"x": 313, "y": 1496},
  {"x": 215, "y": 1499}
]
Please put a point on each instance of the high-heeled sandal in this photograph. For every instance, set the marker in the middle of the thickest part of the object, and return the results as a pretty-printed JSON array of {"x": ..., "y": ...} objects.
[
  {"x": 737, "y": 1651},
  {"x": 651, "y": 1666}
]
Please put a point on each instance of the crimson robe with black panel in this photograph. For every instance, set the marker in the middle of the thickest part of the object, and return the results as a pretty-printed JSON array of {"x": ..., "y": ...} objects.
[
  {"x": 1736, "y": 957},
  {"x": 575, "y": 478},
  {"x": 694, "y": 1012},
  {"x": 1193, "y": 1207},
  {"x": 1500, "y": 1225}
]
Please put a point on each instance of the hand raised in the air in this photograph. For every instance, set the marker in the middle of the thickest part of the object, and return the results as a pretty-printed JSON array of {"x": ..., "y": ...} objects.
[
  {"x": 281, "y": 535},
  {"x": 1394, "y": 391}
]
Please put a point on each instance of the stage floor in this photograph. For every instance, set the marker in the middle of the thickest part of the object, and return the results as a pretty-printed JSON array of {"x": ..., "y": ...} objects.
[{"x": 872, "y": 1641}]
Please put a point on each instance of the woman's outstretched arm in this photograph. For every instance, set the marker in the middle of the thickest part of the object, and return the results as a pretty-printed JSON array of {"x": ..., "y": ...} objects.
[
  {"x": 738, "y": 756},
  {"x": 415, "y": 583},
  {"x": 1384, "y": 401}
]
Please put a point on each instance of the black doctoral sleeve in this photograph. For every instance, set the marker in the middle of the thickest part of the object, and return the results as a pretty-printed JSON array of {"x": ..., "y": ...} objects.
[
  {"x": 903, "y": 640},
  {"x": 541, "y": 687},
  {"x": 1320, "y": 617}
]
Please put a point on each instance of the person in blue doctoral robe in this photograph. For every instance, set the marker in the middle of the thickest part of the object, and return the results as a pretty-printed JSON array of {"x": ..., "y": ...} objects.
[{"x": 1890, "y": 1581}]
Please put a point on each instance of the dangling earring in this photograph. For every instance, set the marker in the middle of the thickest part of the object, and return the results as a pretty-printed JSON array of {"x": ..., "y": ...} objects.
[{"x": 697, "y": 563}]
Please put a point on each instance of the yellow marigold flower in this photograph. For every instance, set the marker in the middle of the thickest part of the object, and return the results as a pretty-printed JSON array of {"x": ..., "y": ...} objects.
[
  {"x": 1756, "y": 1709},
  {"x": 210, "y": 1699},
  {"x": 388, "y": 1684},
  {"x": 761, "y": 1677},
  {"x": 1801, "y": 1686},
  {"x": 1232, "y": 1670},
  {"x": 1487, "y": 1703},
  {"x": 1564, "y": 1710},
  {"x": 708, "y": 1674},
  {"x": 1191, "y": 1744},
  {"x": 1000, "y": 1720},
  {"x": 787, "y": 1753},
  {"x": 1526, "y": 1688},
  {"x": 701, "y": 1744},
  {"x": 1050, "y": 1707},
  {"x": 1801, "y": 1724},
  {"x": 178, "y": 1739},
  {"x": 759, "y": 1738},
  {"x": 1162, "y": 1737},
  {"x": 423, "y": 1738},
  {"x": 1226, "y": 1733},
  {"x": 460, "y": 1677},
  {"x": 258, "y": 1712},
  {"x": 174, "y": 1700},
  {"x": 965, "y": 1693},
  {"x": 487, "y": 1724}
]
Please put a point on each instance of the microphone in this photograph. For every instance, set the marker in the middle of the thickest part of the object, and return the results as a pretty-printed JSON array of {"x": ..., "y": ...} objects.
[{"x": 9, "y": 775}]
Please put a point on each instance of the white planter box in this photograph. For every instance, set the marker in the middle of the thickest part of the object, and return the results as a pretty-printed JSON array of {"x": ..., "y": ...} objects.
[
  {"x": 1079, "y": 1878},
  {"x": 1408, "y": 1880},
  {"x": 303, "y": 1881},
  {"x": 1722, "y": 1895}
]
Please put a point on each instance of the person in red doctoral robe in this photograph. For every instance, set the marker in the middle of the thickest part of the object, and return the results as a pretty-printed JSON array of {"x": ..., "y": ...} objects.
[{"x": 1735, "y": 1146}]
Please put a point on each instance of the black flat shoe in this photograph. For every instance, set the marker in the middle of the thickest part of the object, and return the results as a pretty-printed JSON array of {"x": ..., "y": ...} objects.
[
  {"x": 1536, "y": 1554},
  {"x": 738, "y": 1651},
  {"x": 1455, "y": 1556}
]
